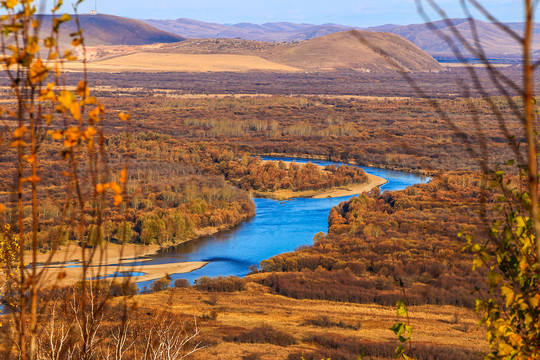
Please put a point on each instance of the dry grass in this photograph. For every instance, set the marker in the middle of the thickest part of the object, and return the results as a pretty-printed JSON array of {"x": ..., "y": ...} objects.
[
  {"x": 156, "y": 62},
  {"x": 237, "y": 312}
]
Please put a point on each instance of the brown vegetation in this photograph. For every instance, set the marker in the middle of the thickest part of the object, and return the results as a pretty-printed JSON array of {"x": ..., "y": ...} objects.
[
  {"x": 255, "y": 324},
  {"x": 376, "y": 239},
  {"x": 396, "y": 133}
]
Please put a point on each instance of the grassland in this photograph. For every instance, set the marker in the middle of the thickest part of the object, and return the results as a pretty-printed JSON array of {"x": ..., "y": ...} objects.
[{"x": 443, "y": 327}]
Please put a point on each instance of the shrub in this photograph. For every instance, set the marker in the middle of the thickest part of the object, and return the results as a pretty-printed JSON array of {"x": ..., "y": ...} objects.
[
  {"x": 338, "y": 347},
  {"x": 264, "y": 334},
  {"x": 212, "y": 315},
  {"x": 160, "y": 284},
  {"x": 220, "y": 284},
  {"x": 325, "y": 322},
  {"x": 126, "y": 288},
  {"x": 181, "y": 283}
]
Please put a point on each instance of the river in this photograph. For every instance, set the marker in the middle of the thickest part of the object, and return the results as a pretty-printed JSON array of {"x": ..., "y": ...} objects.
[{"x": 278, "y": 227}]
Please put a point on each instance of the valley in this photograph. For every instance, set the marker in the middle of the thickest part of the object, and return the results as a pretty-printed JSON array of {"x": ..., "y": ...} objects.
[{"x": 247, "y": 199}]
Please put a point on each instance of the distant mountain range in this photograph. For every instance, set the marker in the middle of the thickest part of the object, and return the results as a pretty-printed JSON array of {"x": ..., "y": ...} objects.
[
  {"x": 112, "y": 30},
  {"x": 495, "y": 42},
  {"x": 279, "y": 32}
]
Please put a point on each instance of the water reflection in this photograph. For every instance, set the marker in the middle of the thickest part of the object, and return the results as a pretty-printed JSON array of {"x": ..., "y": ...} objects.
[{"x": 278, "y": 227}]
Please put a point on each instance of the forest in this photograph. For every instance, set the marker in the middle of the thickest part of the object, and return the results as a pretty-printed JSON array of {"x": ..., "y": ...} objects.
[
  {"x": 405, "y": 134},
  {"x": 376, "y": 239}
]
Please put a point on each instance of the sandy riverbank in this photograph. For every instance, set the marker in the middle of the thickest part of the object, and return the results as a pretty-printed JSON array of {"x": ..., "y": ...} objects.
[
  {"x": 64, "y": 265},
  {"x": 354, "y": 189}
]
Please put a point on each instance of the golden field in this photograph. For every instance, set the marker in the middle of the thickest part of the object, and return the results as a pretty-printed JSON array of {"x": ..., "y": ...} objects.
[
  {"x": 159, "y": 62},
  {"x": 445, "y": 326}
]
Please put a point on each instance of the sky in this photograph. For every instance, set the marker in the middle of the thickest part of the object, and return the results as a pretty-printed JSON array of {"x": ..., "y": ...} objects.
[{"x": 361, "y": 13}]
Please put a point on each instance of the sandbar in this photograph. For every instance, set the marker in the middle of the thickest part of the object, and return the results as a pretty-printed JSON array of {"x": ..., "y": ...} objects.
[
  {"x": 353, "y": 189},
  {"x": 63, "y": 267}
]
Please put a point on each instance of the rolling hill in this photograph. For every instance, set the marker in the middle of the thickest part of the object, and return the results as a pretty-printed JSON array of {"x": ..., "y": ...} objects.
[
  {"x": 340, "y": 51},
  {"x": 113, "y": 30},
  {"x": 496, "y": 43},
  {"x": 279, "y": 31}
]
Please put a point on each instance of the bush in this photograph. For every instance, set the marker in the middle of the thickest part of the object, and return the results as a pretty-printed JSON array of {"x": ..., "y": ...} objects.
[
  {"x": 181, "y": 283},
  {"x": 160, "y": 284},
  {"x": 325, "y": 322},
  {"x": 220, "y": 284},
  {"x": 264, "y": 334},
  {"x": 338, "y": 347},
  {"x": 126, "y": 288}
]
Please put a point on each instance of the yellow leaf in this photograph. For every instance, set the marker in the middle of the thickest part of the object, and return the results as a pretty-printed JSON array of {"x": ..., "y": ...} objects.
[
  {"x": 68, "y": 55},
  {"x": 76, "y": 42},
  {"x": 508, "y": 293},
  {"x": 95, "y": 113},
  {"x": 20, "y": 131},
  {"x": 47, "y": 118},
  {"x": 57, "y": 135},
  {"x": 73, "y": 133},
  {"x": 10, "y": 4},
  {"x": 66, "y": 98},
  {"x": 123, "y": 116},
  {"x": 100, "y": 188},
  {"x": 38, "y": 71},
  {"x": 2, "y": 208},
  {"x": 91, "y": 131},
  {"x": 115, "y": 187},
  {"x": 17, "y": 143},
  {"x": 33, "y": 179},
  {"x": 535, "y": 301},
  {"x": 117, "y": 200},
  {"x": 477, "y": 263},
  {"x": 82, "y": 89},
  {"x": 32, "y": 47},
  {"x": 49, "y": 42},
  {"x": 31, "y": 159},
  {"x": 75, "y": 110}
]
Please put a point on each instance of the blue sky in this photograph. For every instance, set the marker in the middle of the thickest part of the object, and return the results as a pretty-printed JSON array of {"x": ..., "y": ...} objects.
[{"x": 360, "y": 13}]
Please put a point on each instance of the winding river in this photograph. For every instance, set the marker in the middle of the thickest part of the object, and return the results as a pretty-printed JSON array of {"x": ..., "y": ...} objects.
[{"x": 278, "y": 227}]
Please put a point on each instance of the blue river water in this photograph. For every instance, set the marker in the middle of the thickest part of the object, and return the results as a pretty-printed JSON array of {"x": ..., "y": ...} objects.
[{"x": 278, "y": 227}]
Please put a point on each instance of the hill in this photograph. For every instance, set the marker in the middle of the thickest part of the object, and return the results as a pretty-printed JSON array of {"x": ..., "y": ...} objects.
[
  {"x": 113, "y": 30},
  {"x": 496, "y": 43},
  {"x": 340, "y": 51},
  {"x": 278, "y": 31},
  {"x": 350, "y": 50}
]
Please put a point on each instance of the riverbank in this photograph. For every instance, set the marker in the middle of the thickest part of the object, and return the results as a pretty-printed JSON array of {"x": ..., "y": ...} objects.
[
  {"x": 348, "y": 190},
  {"x": 340, "y": 191},
  {"x": 64, "y": 265},
  {"x": 293, "y": 157}
]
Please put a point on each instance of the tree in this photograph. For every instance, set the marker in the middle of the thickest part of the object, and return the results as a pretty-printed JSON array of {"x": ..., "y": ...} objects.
[{"x": 46, "y": 118}]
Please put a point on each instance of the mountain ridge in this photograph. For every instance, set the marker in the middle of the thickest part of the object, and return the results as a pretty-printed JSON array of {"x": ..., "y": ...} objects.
[
  {"x": 495, "y": 42},
  {"x": 111, "y": 30}
]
